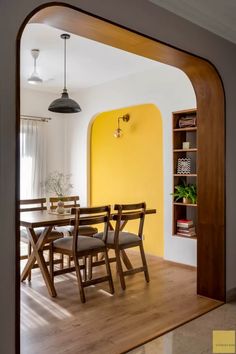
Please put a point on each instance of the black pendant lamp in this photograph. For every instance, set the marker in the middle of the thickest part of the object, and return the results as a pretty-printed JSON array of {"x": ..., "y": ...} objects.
[{"x": 64, "y": 104}]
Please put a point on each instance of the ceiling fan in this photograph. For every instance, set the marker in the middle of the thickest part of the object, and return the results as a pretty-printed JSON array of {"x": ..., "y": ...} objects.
[{"x": 34, "y": 78}]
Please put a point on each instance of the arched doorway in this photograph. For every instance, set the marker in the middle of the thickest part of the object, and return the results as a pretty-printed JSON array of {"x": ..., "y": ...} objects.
[
  {"x": 211, "y": 127},
  {"x": 210, "y": 103}
]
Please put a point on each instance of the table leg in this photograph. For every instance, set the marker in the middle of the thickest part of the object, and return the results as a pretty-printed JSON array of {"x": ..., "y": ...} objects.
[
  {"x": 126, "y": 260},
  {"x": 37, "y": 254}
]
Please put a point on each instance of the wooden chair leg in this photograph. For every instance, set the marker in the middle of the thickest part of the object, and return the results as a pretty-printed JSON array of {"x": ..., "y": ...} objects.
[
  {"x": 51, "y": 262},
  {"x": 108, "y": 268},
  {"x": 144, "y": 263},
  {"x": 90, "y": 267},
  {"x": 120, "y": 270},
  {"x": 69, "y": 261},
  {"x": 79, "y": 278},
  {"x": 85, "y": 268},
  {"x": 29, "y": 253},
  {"x": 62, "y": 261}
]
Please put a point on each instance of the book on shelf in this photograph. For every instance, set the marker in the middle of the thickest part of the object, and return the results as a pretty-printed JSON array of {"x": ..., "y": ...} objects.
[
  {"x": 189, "y": 121},
  {"x": 185, "y": 223},
  {"x": 185, "y": 227},
  {"x": 186, "y": 235},
  {"x": 186, "y": 230}
]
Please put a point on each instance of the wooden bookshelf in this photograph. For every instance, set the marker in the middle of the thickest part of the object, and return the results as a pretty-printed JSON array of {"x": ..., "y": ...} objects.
[
  {"x": 185, "y": 175},
  {"x": 186, "y": 150},
  {"x": 191, "y": 129},
  {"x": 189, "y": 237},
  {"x": 185, "y": 205},
  {"x": 184, "y": 134}
]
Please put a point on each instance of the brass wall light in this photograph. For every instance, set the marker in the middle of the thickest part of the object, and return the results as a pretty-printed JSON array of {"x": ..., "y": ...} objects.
[{"x": 119, "y": 132}]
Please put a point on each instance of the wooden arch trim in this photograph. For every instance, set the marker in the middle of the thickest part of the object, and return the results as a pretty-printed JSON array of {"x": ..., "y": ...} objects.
[{"x": 211, "y": 130}]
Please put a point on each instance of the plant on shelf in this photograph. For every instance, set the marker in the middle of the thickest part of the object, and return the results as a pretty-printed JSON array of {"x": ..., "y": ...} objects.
[{"x": 186, "y": 192}]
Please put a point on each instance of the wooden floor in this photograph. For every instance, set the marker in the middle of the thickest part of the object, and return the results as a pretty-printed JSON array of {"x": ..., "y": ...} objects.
[{"x": 108, "y": 324}]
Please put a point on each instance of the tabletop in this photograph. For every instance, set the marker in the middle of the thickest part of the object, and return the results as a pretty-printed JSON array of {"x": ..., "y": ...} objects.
[{"x": 46, "y": 218}]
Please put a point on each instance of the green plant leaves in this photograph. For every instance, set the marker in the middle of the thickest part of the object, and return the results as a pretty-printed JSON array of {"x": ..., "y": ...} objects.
[{"x": 184, "y": 190}]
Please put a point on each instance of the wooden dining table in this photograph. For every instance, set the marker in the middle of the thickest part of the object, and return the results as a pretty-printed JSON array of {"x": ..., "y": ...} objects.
[{"x": 47, "y": 220}]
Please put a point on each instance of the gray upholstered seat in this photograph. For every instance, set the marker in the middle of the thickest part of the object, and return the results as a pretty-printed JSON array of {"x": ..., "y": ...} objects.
[
  {"x": 87, "y": 230},
  {"x": 84, "y": 243},
  {"x": 54, "y": 235},
  {"x": 124, "y": 238},
  {"x": 83, "y": 230},
  {"x": 65, "y": 230}
]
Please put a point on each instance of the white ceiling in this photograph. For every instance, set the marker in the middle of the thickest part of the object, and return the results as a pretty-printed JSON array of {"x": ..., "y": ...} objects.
[
  {"x": 217, "y": 16},
  {"x": 89, "y": 63}
]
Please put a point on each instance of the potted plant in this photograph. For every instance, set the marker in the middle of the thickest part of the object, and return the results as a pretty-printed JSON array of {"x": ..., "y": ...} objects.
[{"x": 186, "y": 192}]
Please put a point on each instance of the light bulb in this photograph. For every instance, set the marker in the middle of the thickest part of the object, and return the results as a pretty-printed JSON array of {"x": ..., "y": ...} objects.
[{"x": 118, "y": 133}]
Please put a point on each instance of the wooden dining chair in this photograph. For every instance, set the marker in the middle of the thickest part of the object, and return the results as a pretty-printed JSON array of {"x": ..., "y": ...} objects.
[
  {"x": 83, "y": 246},
  {"x": 39, "y": 204},
  {"x": 71, "y": 202},
  {"x": 119, "y": 240}
]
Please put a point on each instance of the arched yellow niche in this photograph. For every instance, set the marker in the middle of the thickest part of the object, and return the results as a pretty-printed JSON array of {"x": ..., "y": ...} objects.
[{"x": 130, "y": 169}]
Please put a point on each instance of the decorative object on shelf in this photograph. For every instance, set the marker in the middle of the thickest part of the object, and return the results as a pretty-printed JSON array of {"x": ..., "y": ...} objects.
[
  {"x": 119, "y": 132},
  {"x": 185, "y": 228},
  {"x": 186, "y": 145},
  {"x": 64, "y": 104},
  {"x": 186, "y": 192},
  {"x": 187, "y": 121},
  {"x": 58, "y": 183},
  {"x": 34, "y": 78},
  {"x": 184, "y": 165}
]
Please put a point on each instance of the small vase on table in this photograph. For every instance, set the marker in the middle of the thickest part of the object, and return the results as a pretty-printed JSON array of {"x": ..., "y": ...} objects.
[{"x": 60, "y": 207}]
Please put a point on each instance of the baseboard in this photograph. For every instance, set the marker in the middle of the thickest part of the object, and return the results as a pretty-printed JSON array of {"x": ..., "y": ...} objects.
[{"x": 231, "y": 295}]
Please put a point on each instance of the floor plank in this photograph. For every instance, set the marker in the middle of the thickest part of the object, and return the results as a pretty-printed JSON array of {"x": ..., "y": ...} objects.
[{"x": 105, "y": 323}]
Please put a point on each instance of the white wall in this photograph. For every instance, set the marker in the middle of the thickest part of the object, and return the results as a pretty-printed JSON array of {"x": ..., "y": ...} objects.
[
  {"x": 35, "y": 103},
  {"x": 170, "y": 90}
]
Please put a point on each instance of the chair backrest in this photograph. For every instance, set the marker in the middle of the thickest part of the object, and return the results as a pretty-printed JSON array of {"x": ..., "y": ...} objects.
[
  {"x": 33, "y": 204},
  {"x": 90, "y": 216},
  {"x": 69, "y": 201},
  {"x": 126, "y": 212}
]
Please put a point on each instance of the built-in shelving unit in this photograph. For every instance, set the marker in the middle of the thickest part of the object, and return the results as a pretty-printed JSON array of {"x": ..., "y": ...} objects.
[{"x": 184, "y": 134}]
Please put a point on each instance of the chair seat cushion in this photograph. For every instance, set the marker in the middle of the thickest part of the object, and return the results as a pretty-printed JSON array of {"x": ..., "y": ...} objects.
[
  {"x": 87, "y": 230},
  {"x": 65, "y": 230},
  {"x": 124, "y": 238},
  {"x": 83, "y": 230},
  {"x": 54, "y": 235},
  {"x": 85, "y": 243}
]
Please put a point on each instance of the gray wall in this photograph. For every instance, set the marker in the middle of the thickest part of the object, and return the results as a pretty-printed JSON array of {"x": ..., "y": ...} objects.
[{"x": 146, "y": 18}]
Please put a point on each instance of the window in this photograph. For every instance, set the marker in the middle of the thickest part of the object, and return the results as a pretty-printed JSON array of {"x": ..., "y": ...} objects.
[{"x": 32, "y": 158}]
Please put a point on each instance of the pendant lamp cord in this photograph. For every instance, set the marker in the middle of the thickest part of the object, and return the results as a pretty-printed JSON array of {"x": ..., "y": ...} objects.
[{"x": 65, "y": 64}]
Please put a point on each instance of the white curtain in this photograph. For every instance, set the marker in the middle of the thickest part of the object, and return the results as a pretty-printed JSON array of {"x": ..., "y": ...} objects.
[{"x": 32, "y": 158}]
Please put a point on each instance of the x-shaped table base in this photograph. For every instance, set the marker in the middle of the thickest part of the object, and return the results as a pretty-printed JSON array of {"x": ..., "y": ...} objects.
[{"x": 37, "y": 244}]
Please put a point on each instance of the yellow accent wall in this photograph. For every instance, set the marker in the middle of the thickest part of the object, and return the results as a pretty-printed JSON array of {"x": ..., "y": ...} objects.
[{"x": 130, "y": 169}]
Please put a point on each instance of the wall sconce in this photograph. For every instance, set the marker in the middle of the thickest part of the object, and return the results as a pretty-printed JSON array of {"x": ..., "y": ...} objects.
[{"x": 118, "y": 132}]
